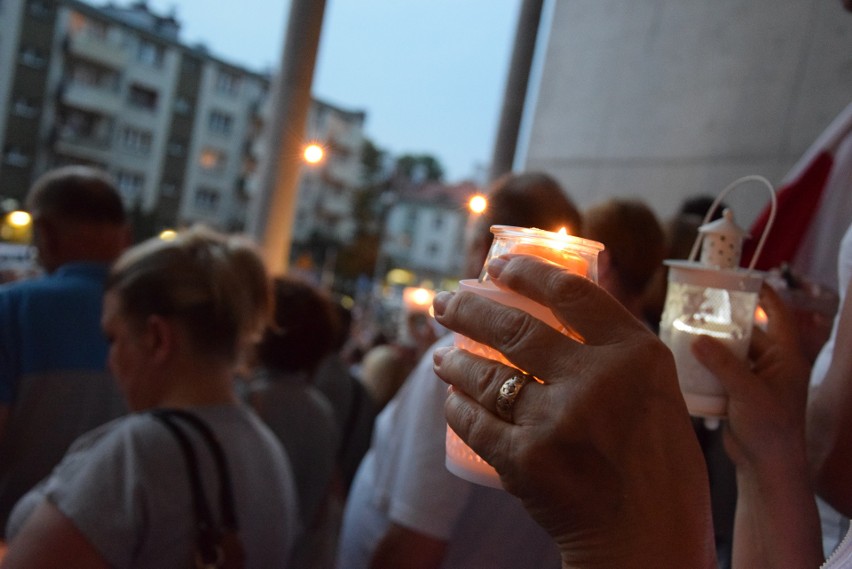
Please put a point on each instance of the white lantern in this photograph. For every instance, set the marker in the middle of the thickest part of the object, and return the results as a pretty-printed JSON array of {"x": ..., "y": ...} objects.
[{"x": 712, "y": 297}]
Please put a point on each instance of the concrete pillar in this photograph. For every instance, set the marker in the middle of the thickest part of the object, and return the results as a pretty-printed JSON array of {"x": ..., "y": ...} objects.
[
  {"x": 270, "y": 221},
  {"x": 515, "y": 94}
]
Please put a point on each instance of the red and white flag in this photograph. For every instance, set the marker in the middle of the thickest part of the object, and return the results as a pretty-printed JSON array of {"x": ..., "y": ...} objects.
[{"x": 814, "y": 208}]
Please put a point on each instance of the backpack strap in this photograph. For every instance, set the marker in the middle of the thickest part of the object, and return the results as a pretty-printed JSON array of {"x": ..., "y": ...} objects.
[{"x": 208, "y": 533}]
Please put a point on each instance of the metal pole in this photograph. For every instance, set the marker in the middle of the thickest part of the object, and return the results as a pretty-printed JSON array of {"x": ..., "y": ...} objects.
[
  {"x": 271, "y": 219},
  {"x": 515, "y": 94}
]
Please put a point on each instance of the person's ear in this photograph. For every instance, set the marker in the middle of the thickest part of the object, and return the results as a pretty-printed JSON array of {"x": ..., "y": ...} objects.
[{"x": 160, "y": 338}]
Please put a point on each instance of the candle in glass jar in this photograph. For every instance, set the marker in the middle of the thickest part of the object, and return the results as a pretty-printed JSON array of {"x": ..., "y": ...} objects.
[
  {"x": 556, "y": 251},
  {"x": 574, "y": 254}
]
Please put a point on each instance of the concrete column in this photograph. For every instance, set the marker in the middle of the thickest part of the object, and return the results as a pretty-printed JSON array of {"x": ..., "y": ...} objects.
[
  {"x": 515, "y": 94},
  {"x": 270, "y": 221}
]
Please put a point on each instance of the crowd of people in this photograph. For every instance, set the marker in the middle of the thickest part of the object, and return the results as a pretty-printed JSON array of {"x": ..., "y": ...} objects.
[{"x": 169, "y": 402}]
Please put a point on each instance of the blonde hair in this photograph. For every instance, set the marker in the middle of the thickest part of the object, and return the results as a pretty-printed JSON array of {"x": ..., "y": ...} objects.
[{"x": 216, "y": 284}]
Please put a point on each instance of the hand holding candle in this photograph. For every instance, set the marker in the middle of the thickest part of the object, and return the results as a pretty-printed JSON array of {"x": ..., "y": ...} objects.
[{"x": 576, "y": 255}]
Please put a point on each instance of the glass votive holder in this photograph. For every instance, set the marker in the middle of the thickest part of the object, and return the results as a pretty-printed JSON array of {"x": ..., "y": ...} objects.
[{"x": 577, "y": 255}]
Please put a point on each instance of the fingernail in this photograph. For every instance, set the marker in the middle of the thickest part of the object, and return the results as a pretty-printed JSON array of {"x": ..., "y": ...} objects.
[
  {"x": 439, "y": 304},
  {"x": 438, "y": 355},
  {"x": 495, "y": 267}
]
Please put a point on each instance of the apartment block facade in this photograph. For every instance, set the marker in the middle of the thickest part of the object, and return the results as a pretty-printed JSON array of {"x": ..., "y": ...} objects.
[
  {"x": 327, "y": 189},
  {"x": 176, "y": 126},
  {"x": 424, "y": 233}
]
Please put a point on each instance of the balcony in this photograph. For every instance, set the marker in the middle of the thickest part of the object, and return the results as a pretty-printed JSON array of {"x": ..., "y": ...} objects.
[
  {"x": 92, "y": 98},
  {"x": 92, "y": 149},
  {"x": 103, "y": 51}
]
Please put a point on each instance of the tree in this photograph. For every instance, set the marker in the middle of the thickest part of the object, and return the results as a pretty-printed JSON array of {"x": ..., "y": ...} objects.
[{"x": 419, "y": 168}]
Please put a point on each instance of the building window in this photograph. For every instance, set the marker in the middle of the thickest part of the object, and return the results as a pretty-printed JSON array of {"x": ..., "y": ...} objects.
[
  {"x": 176, "y": 148},
  {"x": 206, "y": 199},
  {"x": 227, "y": 83},
  {"x": 136, "y": 140},
  {"x": 90, "y": 128},
  {"x": 32, "y": 57},
  {"x": 437, "y": 222},
  {"x": 40, "y": 9},
  {"x": 14, "y": 156},
  {"x": 97, "y": 29},
  {"x": 183, "y": 106},
  {"x": 212, "y": 159},
  {"x": 26, "y": 108},
  {"x": 84, "y": 73},
  {"x": 220, "y": 122},
  {"x": 433, "y": 250},
  {"x": 142, "y": 98},
  {"x": 129, "y": 185},
  {"x": 190, "y": 65},
  {"x": 150, "y": 53},
  {"x": 169, "y": 190}
]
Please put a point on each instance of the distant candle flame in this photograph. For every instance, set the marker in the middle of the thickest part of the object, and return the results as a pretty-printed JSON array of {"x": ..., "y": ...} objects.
[
  {"x": 422, "y": 296},
  {"x": 417, "y": 299}
]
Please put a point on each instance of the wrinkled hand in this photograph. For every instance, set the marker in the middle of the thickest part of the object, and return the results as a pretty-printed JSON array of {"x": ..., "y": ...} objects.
[{"x": 602, "y": 453}]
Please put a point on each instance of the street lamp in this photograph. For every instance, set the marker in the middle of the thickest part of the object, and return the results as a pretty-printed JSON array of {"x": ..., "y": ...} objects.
[
  {"x": 477, "y": 204},
  {"x": 314, "y": 153},
  {"x": 16, "y": 226}
]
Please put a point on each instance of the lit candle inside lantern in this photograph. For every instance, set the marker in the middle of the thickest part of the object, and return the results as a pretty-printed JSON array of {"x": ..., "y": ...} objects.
[
  {"x": 574, "y": 254},
  {"x": 712, "y": 297},
  {"x": 761, "y": 320}
]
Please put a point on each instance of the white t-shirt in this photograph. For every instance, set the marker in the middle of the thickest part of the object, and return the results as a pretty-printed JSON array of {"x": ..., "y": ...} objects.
[
  {"x": 125, "y": 487},
  {"x": 404, "y": 480},
  {"x": 834, "y": 524}
]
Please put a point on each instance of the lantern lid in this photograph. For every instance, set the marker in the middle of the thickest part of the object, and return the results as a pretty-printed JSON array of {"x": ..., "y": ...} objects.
[
  {"x": 698, "y": 274},
  {"x": 721, "y": 242},
  {"x": 725, "y": 225}
]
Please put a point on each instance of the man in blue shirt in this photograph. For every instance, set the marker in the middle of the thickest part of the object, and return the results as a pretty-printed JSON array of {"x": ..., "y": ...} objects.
[{"x": 54, "y": 384}]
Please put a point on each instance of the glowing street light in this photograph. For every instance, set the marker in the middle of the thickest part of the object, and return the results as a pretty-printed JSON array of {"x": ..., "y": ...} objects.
[
  {"x": 314, "y": 153},
  {"x": 477, "y": 204},
  {"x": 19, "y": 219},
  {"x": 16, "y": 226}
]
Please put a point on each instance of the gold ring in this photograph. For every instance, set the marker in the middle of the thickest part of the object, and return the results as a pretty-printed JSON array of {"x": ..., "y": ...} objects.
[{"x": 508, "y": 394}]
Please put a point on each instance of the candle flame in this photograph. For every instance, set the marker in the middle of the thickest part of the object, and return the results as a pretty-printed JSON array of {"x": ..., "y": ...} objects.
[
  {"x": 563, "y": 231},
  {"x": 760, "y": 317},
  {"x": 422, "y": 296}
]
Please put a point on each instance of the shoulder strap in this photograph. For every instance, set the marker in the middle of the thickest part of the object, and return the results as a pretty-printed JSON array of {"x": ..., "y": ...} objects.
[
  {"x": 226, "y": 495},
  {"x": 207, "y": 532}
]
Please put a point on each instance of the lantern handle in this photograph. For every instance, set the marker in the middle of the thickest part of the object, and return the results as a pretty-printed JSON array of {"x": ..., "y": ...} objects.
[{"x": 714, "y": 206}]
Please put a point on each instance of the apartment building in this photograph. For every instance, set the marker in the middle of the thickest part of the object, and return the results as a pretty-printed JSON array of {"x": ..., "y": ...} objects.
[
  {"x": 326, "y": 191},
  {"x": 113, "y": 86},
  {"x": 424, "y": 233}
]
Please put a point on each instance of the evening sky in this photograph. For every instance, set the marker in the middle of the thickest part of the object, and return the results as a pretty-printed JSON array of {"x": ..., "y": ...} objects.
[{"x": 429, "y": 74}]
